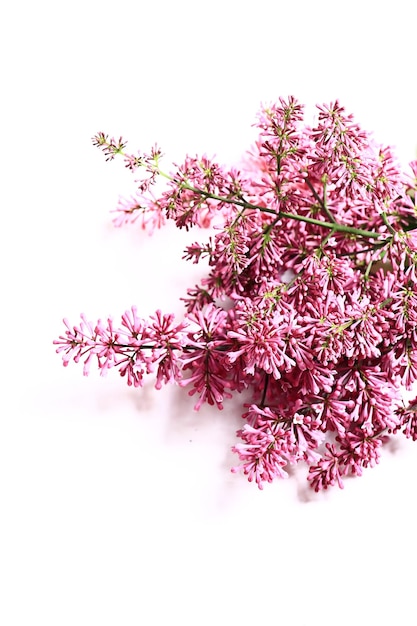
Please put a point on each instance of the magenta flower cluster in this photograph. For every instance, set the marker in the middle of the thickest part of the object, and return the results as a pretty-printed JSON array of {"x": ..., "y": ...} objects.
[{"x": 309, "y": 303}]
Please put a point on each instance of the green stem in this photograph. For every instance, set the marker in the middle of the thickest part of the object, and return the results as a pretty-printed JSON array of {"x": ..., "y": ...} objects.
[
  {"x": 342, "y": 228},
  {"x": 262, "y": 404},
  {"x": 387, "y": 224},
  {"x": 321, "y": 202},
  {"x": 320, "y": 249}
]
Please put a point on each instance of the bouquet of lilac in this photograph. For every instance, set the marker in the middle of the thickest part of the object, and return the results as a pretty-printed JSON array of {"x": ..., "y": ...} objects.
[{"x": 310, "y": 301}]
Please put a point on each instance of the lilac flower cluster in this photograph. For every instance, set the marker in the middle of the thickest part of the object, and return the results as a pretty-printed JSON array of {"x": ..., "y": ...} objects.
[{"x": 310, "y": 301}]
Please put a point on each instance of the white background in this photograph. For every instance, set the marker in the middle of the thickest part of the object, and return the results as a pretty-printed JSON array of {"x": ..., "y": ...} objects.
[{"x": 117, "y": 506}]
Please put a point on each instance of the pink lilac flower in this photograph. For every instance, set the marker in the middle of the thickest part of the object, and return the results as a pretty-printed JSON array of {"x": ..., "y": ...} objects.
[
  {"x": 111, "y": 147},
  {"x": 309, "y": 302},
  {"x": 169, "y": 340},
  {"x": 408, "y": 420},
  {"x": 134, "y": 348},
  {"x": 142, "y": 210},
  {"x": 326, "y": 472},
  {"x": 261, "y": 343},
  {"x": 204, "y": 359},
  {"x": 267, "y": 446},
  {"x": 359, "y": 451}
]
